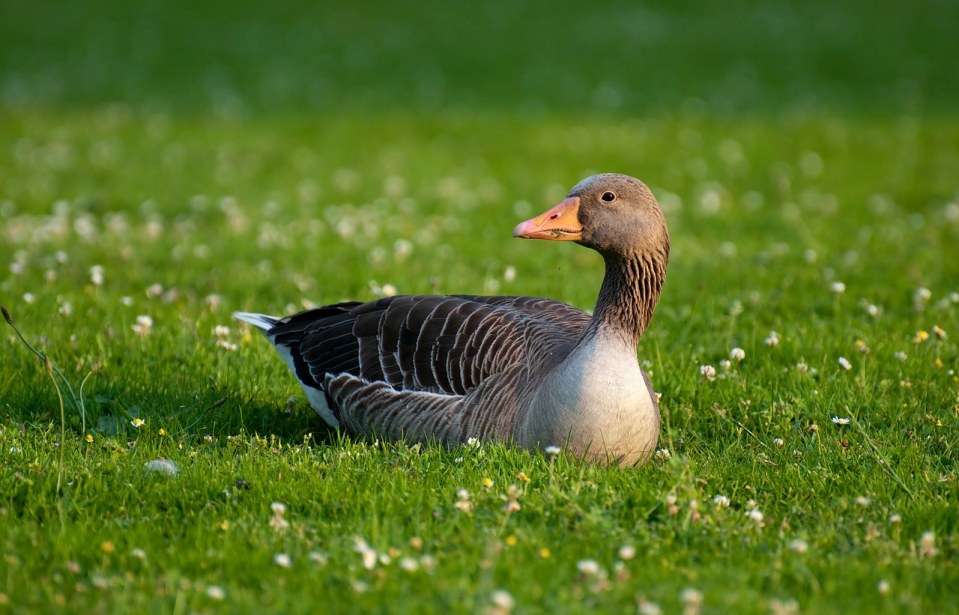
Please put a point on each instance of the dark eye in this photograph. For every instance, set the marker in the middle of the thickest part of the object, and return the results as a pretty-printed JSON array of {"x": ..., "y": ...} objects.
[{"x": 609, "y": 197}]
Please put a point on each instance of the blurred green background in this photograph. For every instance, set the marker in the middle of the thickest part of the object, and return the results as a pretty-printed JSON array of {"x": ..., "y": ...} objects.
[{"x": 632, "y": 58}]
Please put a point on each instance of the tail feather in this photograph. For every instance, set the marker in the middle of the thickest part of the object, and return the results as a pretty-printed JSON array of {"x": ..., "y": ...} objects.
[{"x": 260, "y": 321}]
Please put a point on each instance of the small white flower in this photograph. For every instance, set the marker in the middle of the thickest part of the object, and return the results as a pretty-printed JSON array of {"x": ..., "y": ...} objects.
[
  {"x": 756, "y": 515},
  {"x": 221, "y": 331},
  {"x": 721, "y": 501},
  {"x": 552, "y": 450},
  {"x": 96, "y": 275},
  {"x": 472, "y": 442},
  {"x": 883, "y": 587},
  {"x": 778, "y": 441},
  {"x": 927, "y": 545},
  {"x": 725, "y": 365},
  {"x": 873, "y": 310},
  {"x": 278, "y": 508},
  {"x": 138, "y": 553},
  {"x": 282, "y": 560},
  {"x": 29, "y": 298},
  {"x": 587, "y": 567},
  {"x": 772, "y": 339},
  {"x": 138, "y": 422},
  {"x": 708, "y": 372},
  {"x": 510, "y": 274},
  {"x": 802, "y": 367},
  {"x": 844, "y": 363},
  {"x": 409, "y": 564},
  {"x": 144, "y": 325},
  {"x": 66, "y": 308},
  {"x": 863, "y": 501},
  {"x": 895, "y": 518},
  {"x": 502, "y": 600},
  {"x": 215, "y": 592},
  {"x": 837, "y": 287},
  {"x": 798, "y": 545},
  {"x": 692, "y": 600},
  {"x": 318, "y": 557},
  {"x": 840, "y": 420},
  {"x": 389, "y": 290},
  {"x": 737, "y": 354},
  {"x": 154, "y": 290},
  {"x": 663, "y": 454},
  {"x": 627, "y": 552},
  {"x": 162, "y": 466}
]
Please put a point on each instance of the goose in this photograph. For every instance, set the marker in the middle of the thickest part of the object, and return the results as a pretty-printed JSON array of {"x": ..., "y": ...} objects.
[{"x": 529, "y": 371}]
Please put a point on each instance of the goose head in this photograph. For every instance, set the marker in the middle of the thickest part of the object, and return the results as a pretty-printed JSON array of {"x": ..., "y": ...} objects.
[{"x": 616, "y": 215}]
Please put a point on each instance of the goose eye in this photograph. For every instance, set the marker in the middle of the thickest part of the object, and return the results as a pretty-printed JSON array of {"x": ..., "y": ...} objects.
[{"x": 608, "y": 196}]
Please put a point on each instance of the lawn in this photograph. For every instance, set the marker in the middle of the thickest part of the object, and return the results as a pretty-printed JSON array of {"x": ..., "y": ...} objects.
[{"x": 165, "y": 164}]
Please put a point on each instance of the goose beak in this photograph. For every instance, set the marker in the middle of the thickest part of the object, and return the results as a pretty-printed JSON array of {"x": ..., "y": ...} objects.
[{"x": 561, "y": 223}]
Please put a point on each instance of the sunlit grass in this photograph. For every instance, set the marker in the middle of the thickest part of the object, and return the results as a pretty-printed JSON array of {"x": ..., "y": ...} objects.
[{"x": 162, "y": 165}]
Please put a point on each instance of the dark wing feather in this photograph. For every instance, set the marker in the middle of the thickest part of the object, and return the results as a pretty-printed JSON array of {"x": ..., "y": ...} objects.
[{"x": 441, "y": 344}]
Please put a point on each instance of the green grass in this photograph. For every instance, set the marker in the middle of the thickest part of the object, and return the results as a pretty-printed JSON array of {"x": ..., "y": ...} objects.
[{"x": 213, "y": 159}]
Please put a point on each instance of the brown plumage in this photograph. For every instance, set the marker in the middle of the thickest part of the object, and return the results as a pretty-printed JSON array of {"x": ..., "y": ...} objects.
[{"x": 532, "y": 371}]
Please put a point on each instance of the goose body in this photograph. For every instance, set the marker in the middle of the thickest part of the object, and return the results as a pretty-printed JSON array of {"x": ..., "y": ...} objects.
[{"x": 532, "y": 371}]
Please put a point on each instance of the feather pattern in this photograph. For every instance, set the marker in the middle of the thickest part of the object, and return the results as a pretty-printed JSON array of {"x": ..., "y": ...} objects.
[{"x": 529, "y": 370}]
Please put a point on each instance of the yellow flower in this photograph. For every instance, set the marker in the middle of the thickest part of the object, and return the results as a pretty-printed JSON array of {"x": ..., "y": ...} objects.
[
  {"x": 107, "y": 547},
  {"x": 89, "y": 438},
  {"x": 138, "y": 422},
  {"x": 162, "y": 432},
  {"x": 544, "y": 553},
  {"x": 487, "y": 482},
  {"x": 522, "y": 476},
  {"x": 921, "y": 336},
  {"x": 511, "y": 540},
  {"x": 938, "y": 362}
]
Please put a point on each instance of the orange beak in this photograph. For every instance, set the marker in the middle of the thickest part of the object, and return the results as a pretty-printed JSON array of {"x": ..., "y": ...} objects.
[{"x": 558, "y": 224}]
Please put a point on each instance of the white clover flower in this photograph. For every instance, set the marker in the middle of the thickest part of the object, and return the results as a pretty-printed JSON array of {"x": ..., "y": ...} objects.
[
  {"x": 29, "y": 298},
  {"x": 409, "y": 564},
  {"x": 663, "y": 454},
  {"x": 756, "y": 515},
  {"x": 778, "y": 441},
  {"x": 883, "y": 587},
  {"x": 278, "y": 508},
  {"x": 844, "y": 363},
  {"x": 509, "y": 274},
  {"x": 552, "y": 450},
  {"x": 154, "y": 290},
  {"x": 837, "y": 287},
  {"x": 721, "y": 501},
  {"x": 725, "y": 365},
  {"x": 863, "y": 501},
  {"x": 587, "y": 567},
  {"x": 66, "y": 309},
  {"x": 627, "y": 552},
  {"x": 737, "y": 354},
  {"x": 472, "y": 442},
  {"x": 96, "y": 275},
  {"x": 502, "y": 600},
  {"x": 144, "y": 325},
  {"x": 708, "y": 372},
  {"x": 772, "y": 339},
  {"x": 802, "y": 367},
  {"x": 798, "y": 545},
  {"x": 221, "y": 331},
  {"x": 282, "y": 560},
  {"x": 215, "y": 592},
  {"x": 927, "y": 545}
]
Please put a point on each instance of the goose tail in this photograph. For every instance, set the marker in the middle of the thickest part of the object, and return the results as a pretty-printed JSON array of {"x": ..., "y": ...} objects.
[{"x": 260, "y": 321}]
